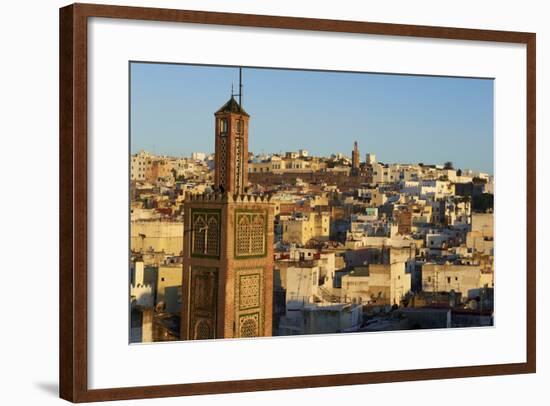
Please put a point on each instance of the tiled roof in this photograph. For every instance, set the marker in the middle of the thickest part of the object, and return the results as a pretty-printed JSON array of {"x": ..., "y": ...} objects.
[{"x": 232, "y": 106}]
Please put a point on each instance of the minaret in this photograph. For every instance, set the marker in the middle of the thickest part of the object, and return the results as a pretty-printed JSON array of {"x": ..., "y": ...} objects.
[
  {"x": 231, "y": 148},
  {"x": 227, "y": 286},
  {"x": 355, "y": 157}
]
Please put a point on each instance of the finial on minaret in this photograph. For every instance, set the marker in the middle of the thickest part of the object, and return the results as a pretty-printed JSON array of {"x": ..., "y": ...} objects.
[{"x": 240, "y": 94}]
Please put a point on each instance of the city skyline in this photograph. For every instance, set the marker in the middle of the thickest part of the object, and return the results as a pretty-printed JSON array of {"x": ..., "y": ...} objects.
[
  {"x": 403, "y": 116},
  {"x": 209, "y": 155},
  {"x": 239, "y": 248}
]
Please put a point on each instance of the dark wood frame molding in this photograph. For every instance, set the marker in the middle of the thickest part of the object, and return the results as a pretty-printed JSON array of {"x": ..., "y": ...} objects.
[{"x": 73, "y": 361}]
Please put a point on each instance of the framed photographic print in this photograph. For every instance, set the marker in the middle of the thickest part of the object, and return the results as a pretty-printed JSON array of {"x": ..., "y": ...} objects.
[{"x": 255, "y": 202}]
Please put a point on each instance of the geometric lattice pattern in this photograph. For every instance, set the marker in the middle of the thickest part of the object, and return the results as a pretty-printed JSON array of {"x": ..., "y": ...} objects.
[
  {"x": 250, "y": 233},
  {"x": 249, "y": 306},
  {"x": 238, "y": 165},
  {"x": 203, "y": 330},
  {"x": 257, "y": 234},
  {"x": 212, "y": 236},
  {"x": 249, "y": 325},
  {"x": 249, "y": 291},
  {"x": 199, "y": 235},
  {"x": 222, "y": 170}
]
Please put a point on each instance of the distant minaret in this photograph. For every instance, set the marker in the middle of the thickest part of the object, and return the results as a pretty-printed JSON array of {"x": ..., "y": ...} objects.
[{"x": 355, "y": 157}]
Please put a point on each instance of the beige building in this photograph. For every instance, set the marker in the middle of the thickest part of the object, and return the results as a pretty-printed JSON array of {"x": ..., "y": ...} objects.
[
  {"x": 159, "y": 169},
  {"x": 299, "y": 230},
  {"x": 169, "y": 286},
  {"x": 157, "y": 236},
  {"x": 300, "y": 261},
  {"x": 480, "y": 239},
  {"x": 459, "y": 278},
  {"x": 289, "y": 164},
  {"x": 378, "y": 198},
  {"x": 380, "y": 283},
  {"x": 321, "y": 318},
  {"x": 302, "y": 283},
  {"x": 140, "y": 165}
]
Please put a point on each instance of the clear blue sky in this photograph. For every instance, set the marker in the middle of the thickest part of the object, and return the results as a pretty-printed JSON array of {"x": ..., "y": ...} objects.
[{"x": 400, "y": 118}]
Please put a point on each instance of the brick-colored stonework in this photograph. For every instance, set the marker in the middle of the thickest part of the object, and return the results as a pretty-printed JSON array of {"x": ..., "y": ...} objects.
[
  {"x": 228, "y": 245},
  {"x": 235, "y": 296},
  {"x": 231, "y": 157}
]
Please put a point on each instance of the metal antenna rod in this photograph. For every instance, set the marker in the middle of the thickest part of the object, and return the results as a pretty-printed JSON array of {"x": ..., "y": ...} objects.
[{"x": 241, "y": 87}]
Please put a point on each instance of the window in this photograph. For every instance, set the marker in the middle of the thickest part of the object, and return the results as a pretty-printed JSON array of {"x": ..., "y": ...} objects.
[
  {"x": 250, "y": 235},
  {"x": 199, "y": 235},
  {"x": 205, "y": 233},
  {"x": 212, "y": 236},
  {"x": 239, "y": 129},
  {"x": 448, "y": 279},
  {"x": 223, "y": 126}
]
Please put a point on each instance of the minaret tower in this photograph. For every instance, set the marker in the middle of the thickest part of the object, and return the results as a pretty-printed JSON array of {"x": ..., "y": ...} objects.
[
  {"x": 227, "y": 286},
  {"x": 231, "y": 148},
  {"x": 355, "y": 158}
]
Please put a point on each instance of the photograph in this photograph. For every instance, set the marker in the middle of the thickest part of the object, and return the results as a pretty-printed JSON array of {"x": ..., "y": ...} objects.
[{"x": 278, "y": 202}]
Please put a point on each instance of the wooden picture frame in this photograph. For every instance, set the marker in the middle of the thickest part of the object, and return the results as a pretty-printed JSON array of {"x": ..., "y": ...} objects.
[{"x": 73, "y": 201}]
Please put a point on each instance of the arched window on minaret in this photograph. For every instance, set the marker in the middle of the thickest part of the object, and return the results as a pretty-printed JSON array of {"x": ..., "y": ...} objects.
[
  {"x": 239, "y": 127},
  {"x": 199, "y": 235},
  {"x": 243, "y": 235},
  {"x": 223, "y": 126},
  {"x": 212, "y": 237}
]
